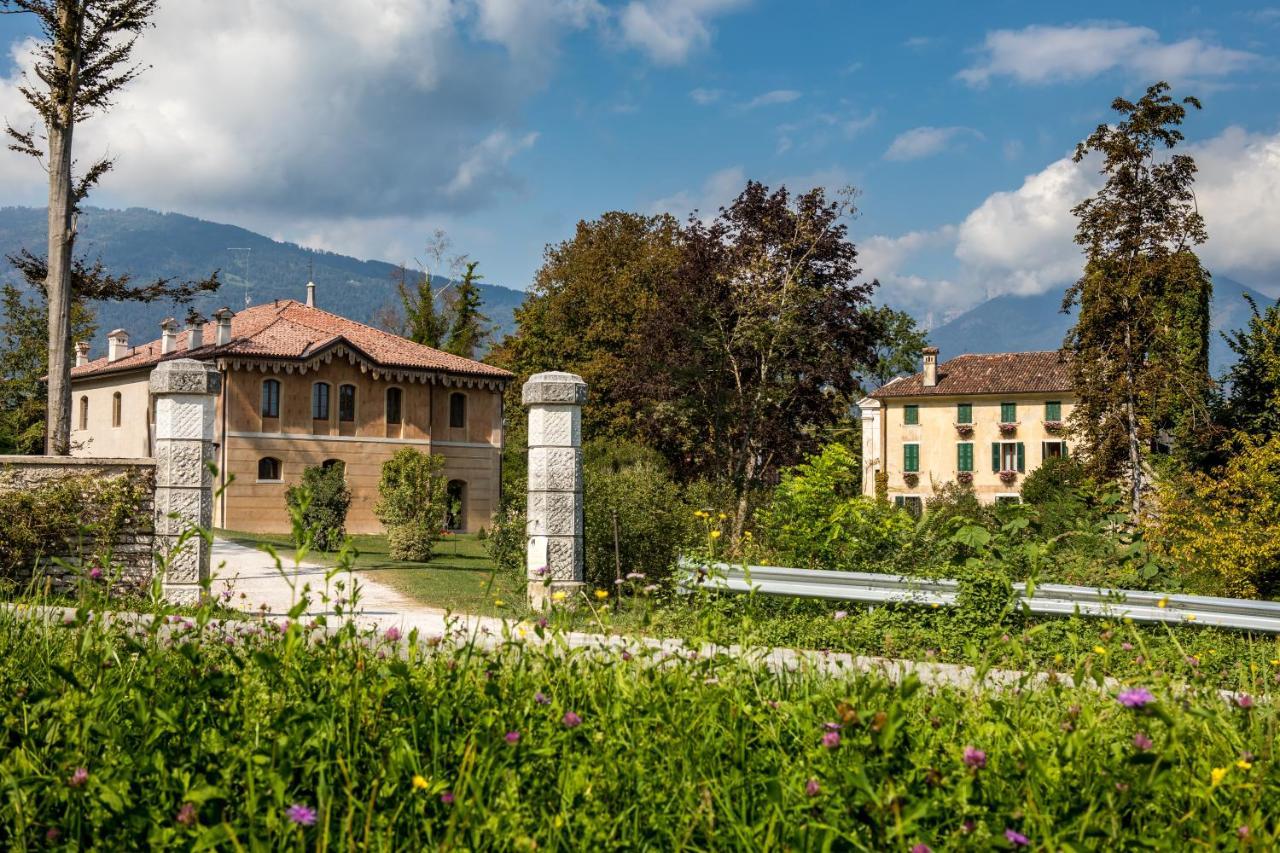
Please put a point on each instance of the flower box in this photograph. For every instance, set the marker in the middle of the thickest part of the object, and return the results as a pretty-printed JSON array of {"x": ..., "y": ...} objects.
[
  {"x": 965, "y": 477},
  {"x": 911, "y": 479},
  {"x": 1054, "y": 427},
  {"x": 1008, "y": 477},
  {"x": 1008, "y": 428},
  {"x": 965, "y": 430}
]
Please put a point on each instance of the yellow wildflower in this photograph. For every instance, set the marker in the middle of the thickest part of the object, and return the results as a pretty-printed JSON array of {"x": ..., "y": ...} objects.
[
  {"x": 1191, "y": 617},
  {"x": 1244, "y": 765},
  {"x": 699, "y": 514},
  {"x": 498, "y": 602},
  {"x": 1164, "y": 602},
  {"x": 1275, "y": 661},
  {"x": 1216, "y": 775},
  {"x": 722, "y": 516},
  {"x": 715, "y": 534},
  {"x": 558, "y": 595},
  {"x": 746, "y": 534},
  {"x": 1099, "y": 650},
  {"x": 602, "y": 594},
  {"x": 420, "y": 783}
]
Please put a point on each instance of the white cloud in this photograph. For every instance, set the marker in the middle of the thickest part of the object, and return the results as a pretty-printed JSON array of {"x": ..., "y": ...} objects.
[
  {"x": 1021, "y": 241},
  {"x": 924, "y": 142},
  {"x": 716, "y": 191},
  {"x": 670, "y": 30},
  {"x": 777, "y": 96},
  {"x": 1042, "y": 54},
  {"x": 488, "y": 160},
  {"x": 703, "y": 97}
]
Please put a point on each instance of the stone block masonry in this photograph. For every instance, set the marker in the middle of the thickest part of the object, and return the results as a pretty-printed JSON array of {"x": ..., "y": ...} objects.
[{"x": 554, "y": 505}]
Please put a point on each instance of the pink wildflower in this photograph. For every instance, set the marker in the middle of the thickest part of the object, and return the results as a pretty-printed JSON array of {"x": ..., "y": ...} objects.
[{"x": 974, "y": 758}]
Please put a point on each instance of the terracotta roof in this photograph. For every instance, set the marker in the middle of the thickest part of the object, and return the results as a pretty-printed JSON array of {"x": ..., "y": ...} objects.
[
  {"x": 993, "y": 373},
  {"x": 292, "y": 331}
]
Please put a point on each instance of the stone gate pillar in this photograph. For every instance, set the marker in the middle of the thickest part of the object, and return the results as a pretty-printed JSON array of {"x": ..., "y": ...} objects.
[
  {"x": 186, "y": 393},
  {"x": 555, "y": 555}
]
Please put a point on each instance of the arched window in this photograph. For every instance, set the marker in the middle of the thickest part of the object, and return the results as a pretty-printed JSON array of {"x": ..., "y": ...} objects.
[
  {"x": 346, "y": 402},
  {"x": 271, "y": 398},
  {"x": 320, "y": 401},
  {"x": 457, "y": 509},
  {"x": 115, "y": 409},
  {"x": 457, "y": 409},
  {"x": 84, "y": 413},
  {"x": 394, "y": 398},
  {"x": 335, "y": 463},
  {"x": 269, "y": 470}
]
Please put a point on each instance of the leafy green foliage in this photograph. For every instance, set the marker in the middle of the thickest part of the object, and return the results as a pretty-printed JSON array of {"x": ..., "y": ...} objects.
[
  {"x": 24, "y": 359},
  {"x": 323, "y": 500},
  {"x": 469, "y": 327},
  {"x": 1140, "y": 344},
  {"x": 1253, "y": 396},
  {"x": 507, "y": 545},
  {"x": 412, "y": 503},
  {"x": 818, "y": 519},
  {"x": 898, "y": 344}
]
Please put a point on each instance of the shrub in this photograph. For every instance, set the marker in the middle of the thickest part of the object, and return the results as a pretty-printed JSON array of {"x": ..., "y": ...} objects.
[
  {"x": 653, "y": 522},
  {"x": 818, "y": 519},
  {"x": 1221, "y": 527},
  {"x": 323, "y": 499},
  {"x": 507, "y": 543},
  {"x": 412, "y": 503}
]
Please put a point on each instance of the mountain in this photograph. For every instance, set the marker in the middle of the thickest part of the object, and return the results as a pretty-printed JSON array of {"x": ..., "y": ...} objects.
[
  {"x": 148, "y": 244},
  {"x": 1013, "y": 323}
]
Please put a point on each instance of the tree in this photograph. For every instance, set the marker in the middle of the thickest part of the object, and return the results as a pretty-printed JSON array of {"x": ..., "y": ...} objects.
[
  {"x": 756, "y": 346},
  {"x": 82, "y": 60},
  {"x": 323, "y": 498},
  {"x": 897, "y": 347},
  {"x": 421, "y": 324},
  {"x": 1140, "y": 343},
  {"x": 24, "y": 358},
  {"x": 412, "y": 503},
  {"x": 1253, "y": 383},
  {"x": 470, "y": 326}
]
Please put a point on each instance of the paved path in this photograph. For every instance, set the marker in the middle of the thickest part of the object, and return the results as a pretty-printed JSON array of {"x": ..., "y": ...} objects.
[{"x": 241, "y": 569}]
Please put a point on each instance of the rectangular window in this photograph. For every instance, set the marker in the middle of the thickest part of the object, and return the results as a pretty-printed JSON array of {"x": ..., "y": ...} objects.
[
  {"x": 911, "y": 414},
  {"x": 1008, "y": 456},
  {"x": 457, "y": 410},
  {"x": 271, "y": 399},
  {"x": 913, "y": 505},
  {"x": 911, "y": 458},
  {"x": 346, "y": 402},
  {"x": 964, "y": 456},
  {"x": 1008, "y": 413},
  {"x": 393, "y": 405},
  {"x": 1054, "y": 449},
  {"x": 1053, "y": 411},
  {"x": 964, "y": 413},
  {"x": 320, "y": 401}
]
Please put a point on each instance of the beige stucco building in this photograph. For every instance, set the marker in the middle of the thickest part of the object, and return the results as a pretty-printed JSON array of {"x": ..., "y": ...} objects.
[
  {"x": 987, "y": 419},
  {"x": 301, "y": 387}
]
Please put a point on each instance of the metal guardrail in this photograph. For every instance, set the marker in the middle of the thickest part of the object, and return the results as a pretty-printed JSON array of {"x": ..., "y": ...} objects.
[{"x": 1049, "y": 598}]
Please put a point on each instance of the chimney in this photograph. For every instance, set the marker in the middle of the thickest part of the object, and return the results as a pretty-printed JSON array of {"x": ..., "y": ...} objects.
[
  {"x": 168, "y": 335},
  {"x": 311, "y": 294},
  {"x": 82, "y": 353},
  {"x": 930, "y": 366},
  {"x": 195, "y": 331},
  {"x": 117, "y": 345},
  {"x": 223, "y": 318}
]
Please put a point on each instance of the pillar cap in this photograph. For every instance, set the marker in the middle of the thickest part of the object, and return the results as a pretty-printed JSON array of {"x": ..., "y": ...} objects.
[
  {"x": 556, "y": 387},
  {"x": 185, "y": 376}
]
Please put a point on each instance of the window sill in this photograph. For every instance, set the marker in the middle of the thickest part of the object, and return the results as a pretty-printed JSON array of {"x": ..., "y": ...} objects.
[{"x": 270, "y": 482}]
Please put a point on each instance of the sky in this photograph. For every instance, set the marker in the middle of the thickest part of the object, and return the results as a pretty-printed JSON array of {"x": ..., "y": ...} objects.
[{"x": 362, "y": 126}]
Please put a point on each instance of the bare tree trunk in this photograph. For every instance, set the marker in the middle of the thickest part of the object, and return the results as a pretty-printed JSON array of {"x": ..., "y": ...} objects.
[
  {"x": 58, "y": 287},
  {"x": 1135, "y": 443}
]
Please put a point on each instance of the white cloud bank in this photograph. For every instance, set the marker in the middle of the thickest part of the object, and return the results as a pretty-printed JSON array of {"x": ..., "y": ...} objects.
[
  {"x": 670, "y": 30},
  {"x": 922, "y": 142},
  {"x": 1042, "y": 54},
  {"x": 1020, "y": 241}
]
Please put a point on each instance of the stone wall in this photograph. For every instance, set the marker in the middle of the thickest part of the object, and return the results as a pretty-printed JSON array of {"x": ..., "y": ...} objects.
[{"x": 130, "y": 549}]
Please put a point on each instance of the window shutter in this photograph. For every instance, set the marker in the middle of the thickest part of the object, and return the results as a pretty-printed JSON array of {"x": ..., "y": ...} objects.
[
  {"x": 1053, "y": 411},
  {"x": 959, "y": 457},
  {"x": 1022, "y": 457},
  {"x": 898, "y": 501},
  {"x": 1064, "y": 450},
  {"x": 1008, "y": 413},
  {"x": 995, "y": 456},
  {"x": 964, "y": 413},
  {"x": 911, "y": 415}
]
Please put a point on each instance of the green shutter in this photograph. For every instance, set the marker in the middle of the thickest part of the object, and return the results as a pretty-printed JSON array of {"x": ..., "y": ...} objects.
[
  {"x": 995, "y": 456},
  {"x": 1022, "y": 457},
  {"x": 964, "y": 456},
  {"x": 911, "y": 414},
  {"x": 1064, "y": 450},
  {"x": 898, "y": 501},
  {"x": 1053, "y": 411},
  {"x": 1008, "y": 413},
  {"x": 911, "y": 458},
  {"x": 964, "y": 413}
]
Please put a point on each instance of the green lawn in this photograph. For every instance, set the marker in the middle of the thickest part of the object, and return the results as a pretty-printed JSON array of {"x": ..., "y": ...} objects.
[{"x": 460, "y": 577}]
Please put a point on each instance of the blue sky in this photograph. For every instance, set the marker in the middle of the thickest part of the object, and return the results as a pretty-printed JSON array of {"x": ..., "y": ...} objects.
[{"x": 361, "y": 127}]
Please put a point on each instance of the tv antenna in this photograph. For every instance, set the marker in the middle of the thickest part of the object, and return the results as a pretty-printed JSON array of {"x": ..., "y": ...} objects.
[{"x": 244, "y": 258}]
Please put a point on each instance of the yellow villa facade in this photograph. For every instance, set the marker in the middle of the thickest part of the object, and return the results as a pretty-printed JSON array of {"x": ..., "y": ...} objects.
[{"x": 988, "y": 420}]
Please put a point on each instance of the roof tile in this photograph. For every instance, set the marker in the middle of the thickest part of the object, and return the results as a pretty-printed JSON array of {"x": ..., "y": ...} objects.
[{"x": 993, "y": 373}]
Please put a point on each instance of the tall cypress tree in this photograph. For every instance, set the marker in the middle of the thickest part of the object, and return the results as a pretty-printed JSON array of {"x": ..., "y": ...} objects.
[
  {"x": 1140, "y": 344},
  {"x": 470, "y": 326}
]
